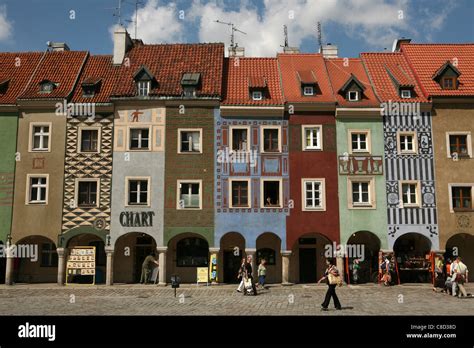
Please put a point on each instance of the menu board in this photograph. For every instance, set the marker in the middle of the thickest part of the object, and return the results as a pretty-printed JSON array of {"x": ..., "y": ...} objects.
[{"x": 80, "y": 262}]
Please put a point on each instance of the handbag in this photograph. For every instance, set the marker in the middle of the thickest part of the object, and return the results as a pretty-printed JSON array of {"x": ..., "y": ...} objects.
[{"x": 334, "y": 280}]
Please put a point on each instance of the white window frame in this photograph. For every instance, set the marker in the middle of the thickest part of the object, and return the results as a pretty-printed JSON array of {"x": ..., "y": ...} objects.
[
  {"x": 468, "y": 140},
  {"x": 127, "y": 190},
  {"x": 415, "y": 142},
  {"x": 183, "y": 181},
  {"x": 257, "y": 95},
  {"x": 405, "y": 96},
  {"x": 231, "y": 137},
  {"x": 190, "y": 130},
  {"x": 319, "y": 147},
  {"x": 308, "y": 88},
  {"x": 417, "y": 192},
  {"x": 370, "y": 180},
  {"x": 249, "y": 193},
  {"x": 450, "y": 192},
  {"x": 262, "y": 139},
  {"x": 28, "y": 189},
  {"x": 76, "y": 192},
  {"x": 129, "y": 138},
  {"x": 79, "y": 140},
  {"x": 280, "y": 196},
  {"x": 322, "y": 182},
  {"x": 356, "y": 96},
  {"x": 31, "y": 136},
  {"x": 368, "y": 140},
  {"x": 143, "y": 86}
]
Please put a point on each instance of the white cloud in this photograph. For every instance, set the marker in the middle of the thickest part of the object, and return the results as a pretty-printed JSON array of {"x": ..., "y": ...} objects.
[
  {"x": 377, "y": 23},
  {"x": 6, "y": 26}
]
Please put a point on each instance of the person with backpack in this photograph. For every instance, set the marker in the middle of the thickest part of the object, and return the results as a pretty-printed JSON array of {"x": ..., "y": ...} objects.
[{"x": 333, "y": 279}]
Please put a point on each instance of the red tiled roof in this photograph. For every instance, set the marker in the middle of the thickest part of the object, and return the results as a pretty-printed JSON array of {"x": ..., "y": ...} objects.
[
  {"x": 427, "y": 59},
  {"x": 399, "y": 75},
  {"x": 306, "y": 76},
  {"x": 257, "y": 82},
  {"x": 385, "y": 88},
  {"x": 16, "y": 74},
  {"x": 97, "y": 69},
  {"x": 237, "y": 78},
  {"x": 168, "y": 63},
  {"x": 293, "y": 64},
  {"x": 340, "y": 73},
  {"x": 60, "y": 67}
]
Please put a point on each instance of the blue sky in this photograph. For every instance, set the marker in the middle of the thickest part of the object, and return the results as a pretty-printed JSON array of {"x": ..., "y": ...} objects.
[{"x": 354, "y": 25}]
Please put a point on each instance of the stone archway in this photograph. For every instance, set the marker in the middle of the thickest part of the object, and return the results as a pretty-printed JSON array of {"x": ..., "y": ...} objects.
[
  {"x": 462, "y": 244},
  {"x": 269, "y": 247},
  {"x": 186, "y": 252},
  {"x": 40, "y": 268},
  {"x": 231, "y": 251},
  {"x": 369, "y": 244},
  {"x": 129, "y": 252},
  {"x": 411, "y": 250}
]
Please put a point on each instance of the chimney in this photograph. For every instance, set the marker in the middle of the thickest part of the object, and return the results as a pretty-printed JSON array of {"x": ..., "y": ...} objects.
[
  {"x": 122, "y": 44},
  {"x": 57, "y": 46},
  {"x": 328, "y": 51},
  {"x": 290, "y": 50},
  {"x": 236, "y": 51},
  {"x": 397, "y": 43}
]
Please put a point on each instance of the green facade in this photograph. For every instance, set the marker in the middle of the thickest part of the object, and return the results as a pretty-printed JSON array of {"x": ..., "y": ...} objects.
[
  {"x": 8, "y": 131},
  {"x": 354, "y": 220}
]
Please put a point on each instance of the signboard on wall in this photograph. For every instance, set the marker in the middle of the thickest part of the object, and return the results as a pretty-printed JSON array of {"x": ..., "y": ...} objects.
[
  {"x": 213, "y": 268},
  {"x": 202, "y": 275},
  {"x": 80, "y": 263}
]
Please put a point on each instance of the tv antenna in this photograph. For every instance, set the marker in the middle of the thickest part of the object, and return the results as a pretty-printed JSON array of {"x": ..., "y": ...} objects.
[
  {"x": 234, "y": 29},
  {"x": 320, "y": 35},
  {"x": 285, "y": 34},
  {"x": 135, "y": 21}
]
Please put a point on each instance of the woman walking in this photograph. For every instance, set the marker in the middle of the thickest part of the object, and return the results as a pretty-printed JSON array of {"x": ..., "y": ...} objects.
[
  {"x": 262, "y": 273},
  {"x": 241, "y": 275},
  {"x": 332, "y": 278}
]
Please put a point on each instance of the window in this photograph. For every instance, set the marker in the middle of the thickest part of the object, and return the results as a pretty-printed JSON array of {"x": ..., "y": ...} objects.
[
  {"x": 192, "y": 252},
  {"x": 143, "y": 88},
  {"x": 40, "y": 137},
  {"x": 360, "y": 193},
  {"x": 189, "y": 194},
  {"x": 458, "y": 143},
  {"x": 88, "y": 91},
  {"x": 139, "y": 139},
  {"x": 138, "y": 191},
  {"x": 308, "y": 90},
  {"x": 268, "y": 255},
  {"x": 271, "y": 139},
  {"x": 257, "y": 95},
  {"x": 360, "y": 141},
  {"x": 239, "y": 139},
  {"x": 189, "y": 140},
  {"x": 353, "y": 95},
  {"x": 38, "y": 189},
  {"x": 448, "y": 83},
  {"x": 49, "y": 256},
  {"x": 407, "y": 143},
  {"x": 189, "y": 92},
  {"x": 89, "y": 140},
  {"x": 271, "y": 194},
  {"x": 461, "y": 198},
  {"x": 312, "y": 137},
  {"x": 240, "y": 193},
  {"x": 405, "y": 93},
  {"x": 410, "y": 194},
  {"x": 313, "y": 194},
  {"x": 47, "y": 86},
  {"x": 87, "y": 194}
]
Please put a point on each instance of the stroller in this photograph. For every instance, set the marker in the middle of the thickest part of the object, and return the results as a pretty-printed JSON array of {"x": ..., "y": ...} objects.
[{"x": 248, "y": 286}]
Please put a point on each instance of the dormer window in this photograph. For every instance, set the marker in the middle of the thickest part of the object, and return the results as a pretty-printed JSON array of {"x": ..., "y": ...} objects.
[
  {"x": 190, "y": 83},
  {"x": 405, "y": 93},
  {"x": 448, "y": 83},
  {"x": 90, "y": 87},
  {"x": 353, "y": 95},
  {"x": 4, "y": 86},
  {"x": 257, "y": 95},
  {"x": 143, "y": 88},
  {"x": 308, "y": 90},
  {"x": 47, "y": 86},
  {"x": 447, "y": 76},
  {"x": 144, "y": 80}
]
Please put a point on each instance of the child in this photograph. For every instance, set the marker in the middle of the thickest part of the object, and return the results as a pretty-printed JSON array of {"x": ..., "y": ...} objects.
[{"x": 262, "y": 272}]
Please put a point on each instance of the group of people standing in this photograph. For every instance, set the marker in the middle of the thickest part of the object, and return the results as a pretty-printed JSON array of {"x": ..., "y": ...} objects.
[
  {"x": 451, "y": 280},
  {"x": 245, "y": 275}
]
